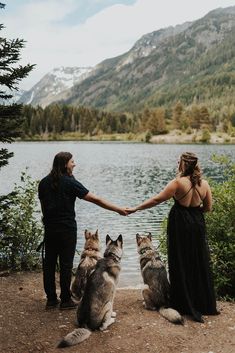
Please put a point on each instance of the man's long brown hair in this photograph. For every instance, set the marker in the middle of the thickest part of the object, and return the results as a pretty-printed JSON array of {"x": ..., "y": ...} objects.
[
  {"x": 59, "y": 167},
  {"x": 191, "y": 168}
]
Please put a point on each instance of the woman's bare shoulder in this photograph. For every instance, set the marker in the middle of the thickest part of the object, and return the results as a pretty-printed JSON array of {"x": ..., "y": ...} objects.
[
  {"x": 204, "y": 185},
  {"x": 176, "y": 180},
  {"x": 204, "y": 182},
  {"x": 184, "y": 180}
]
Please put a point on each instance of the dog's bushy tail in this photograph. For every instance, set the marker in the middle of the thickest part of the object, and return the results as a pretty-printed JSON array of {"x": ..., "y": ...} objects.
[
  {"x": 76, "y": 336},
  {"x": 171, "y": 315}
]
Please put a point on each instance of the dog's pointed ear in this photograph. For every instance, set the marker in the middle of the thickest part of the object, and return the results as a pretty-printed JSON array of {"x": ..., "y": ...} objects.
[
  {"x": 149, "y": 236},
  {"x": 96, "y": 233},
  {"x": 138, "y": 239},
  {"x": 86, "y": 233},
  {"x": 108, "y": 239},
  {"x": 120, "y": 240}
]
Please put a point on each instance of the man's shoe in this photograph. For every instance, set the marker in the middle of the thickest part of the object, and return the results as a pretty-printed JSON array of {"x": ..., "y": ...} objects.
[
  {"x": 51, "y": 304},
  {"x": 68, "y": 305}
]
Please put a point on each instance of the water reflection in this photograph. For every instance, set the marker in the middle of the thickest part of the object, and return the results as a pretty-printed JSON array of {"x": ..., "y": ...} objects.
[{"x": 123, "y": 178}]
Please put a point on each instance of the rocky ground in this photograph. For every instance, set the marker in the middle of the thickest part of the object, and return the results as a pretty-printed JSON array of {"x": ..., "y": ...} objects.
[{"x": 26, "y": 327}]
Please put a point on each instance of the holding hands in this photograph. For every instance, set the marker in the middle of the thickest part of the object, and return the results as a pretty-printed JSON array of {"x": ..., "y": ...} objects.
[
  {"x": 125, "y": 211},
  {"x": 122, "y": 211},
  {"x": 130, "y": 210}
]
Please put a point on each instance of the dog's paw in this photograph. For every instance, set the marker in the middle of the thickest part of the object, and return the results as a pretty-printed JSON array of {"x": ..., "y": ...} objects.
[
  {"x": 103, "y": 327},
  {"x": 111, "y": 321}
]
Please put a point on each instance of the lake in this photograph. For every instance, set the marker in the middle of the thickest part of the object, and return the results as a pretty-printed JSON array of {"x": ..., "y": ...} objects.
[{"x": 123, "y": 173}]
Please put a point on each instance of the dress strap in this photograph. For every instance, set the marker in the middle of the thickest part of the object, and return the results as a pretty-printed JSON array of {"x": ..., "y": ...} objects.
[
  {"x": 198, "y": 193},
  {"x": 184, "y": 194},
  {"x": 192, "y": 187}
]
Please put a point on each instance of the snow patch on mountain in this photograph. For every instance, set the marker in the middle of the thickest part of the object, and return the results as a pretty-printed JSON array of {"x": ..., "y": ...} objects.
[{"x": 55, "y": 83}]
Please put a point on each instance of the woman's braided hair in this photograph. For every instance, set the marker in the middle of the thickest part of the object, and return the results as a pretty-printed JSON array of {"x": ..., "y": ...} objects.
[{"x": 189, "y": 166}]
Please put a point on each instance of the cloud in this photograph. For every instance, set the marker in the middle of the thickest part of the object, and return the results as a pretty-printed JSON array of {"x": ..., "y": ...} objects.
[{"x": 53, "y": 41}]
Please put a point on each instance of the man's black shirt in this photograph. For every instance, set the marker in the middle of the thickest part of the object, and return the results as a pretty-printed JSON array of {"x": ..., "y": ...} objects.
[{"x": 58, "y": 205}]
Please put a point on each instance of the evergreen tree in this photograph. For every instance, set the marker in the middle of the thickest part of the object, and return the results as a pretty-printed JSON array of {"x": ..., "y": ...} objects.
[
  {"x": 204, "y": 117},
  {"x": 145, "y": 116},
  {"x": 177, "y": 115},
  {"x": 156, "y": 123},
  {"x": 194, "y": 114},
  {"x": 10, "y": 113},
  {"x": 10, "y": 76}
]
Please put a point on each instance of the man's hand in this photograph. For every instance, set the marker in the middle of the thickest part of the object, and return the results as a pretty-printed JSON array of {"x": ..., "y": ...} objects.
[{"x": 122, "y": 211}]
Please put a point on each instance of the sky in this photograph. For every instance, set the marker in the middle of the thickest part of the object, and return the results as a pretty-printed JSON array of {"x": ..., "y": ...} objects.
[{"x": 82, "y": 33}]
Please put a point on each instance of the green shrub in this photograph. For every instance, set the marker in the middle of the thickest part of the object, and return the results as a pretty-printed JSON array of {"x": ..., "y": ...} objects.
[
  {"x": 194, "y": 138},
  {"x": 20, "y": 231},
  {"x": 221, "y": 232},
  {"x": 206, "y": 136},
  {"x": 220, "y": 225},
  {"x": 189, "y": 131},
  {"x": 148, "y": 136}
]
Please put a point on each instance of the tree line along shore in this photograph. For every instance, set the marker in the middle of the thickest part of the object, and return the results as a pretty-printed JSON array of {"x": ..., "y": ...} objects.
[{"x": 178, "y": 124}]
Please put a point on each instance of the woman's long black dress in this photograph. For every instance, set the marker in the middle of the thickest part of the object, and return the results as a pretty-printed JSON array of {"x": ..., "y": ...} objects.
[{"x": 191, "y": 284}]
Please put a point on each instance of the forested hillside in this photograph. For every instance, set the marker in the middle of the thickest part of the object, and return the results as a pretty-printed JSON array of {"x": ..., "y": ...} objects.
[
  {"x": 179, "y": 77},
  {"x": 193, "y": 63}
]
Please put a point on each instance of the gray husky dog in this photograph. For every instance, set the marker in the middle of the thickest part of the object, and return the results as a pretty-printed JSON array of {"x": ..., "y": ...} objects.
[
  {"x": 156, "y": 289},
  {"x": 88, "y": 260},
  {"x": 96, "y": 308}
]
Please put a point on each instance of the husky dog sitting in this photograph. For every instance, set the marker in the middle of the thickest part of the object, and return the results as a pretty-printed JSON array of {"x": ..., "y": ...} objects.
[
  {"x": 88, "y": 260},
  {"x": 96, "y": 309},
  {"x": 156, "y": 289}
]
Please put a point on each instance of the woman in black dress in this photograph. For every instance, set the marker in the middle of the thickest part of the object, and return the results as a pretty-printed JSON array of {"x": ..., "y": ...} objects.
[{"x": 191, "y": 284}]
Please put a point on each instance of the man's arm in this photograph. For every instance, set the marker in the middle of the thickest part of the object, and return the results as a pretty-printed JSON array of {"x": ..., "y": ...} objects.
[{"x": 104, "y": 203}]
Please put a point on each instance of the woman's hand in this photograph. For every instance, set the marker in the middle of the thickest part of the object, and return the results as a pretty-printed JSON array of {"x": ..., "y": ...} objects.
[{"x": 130, "y": 210}]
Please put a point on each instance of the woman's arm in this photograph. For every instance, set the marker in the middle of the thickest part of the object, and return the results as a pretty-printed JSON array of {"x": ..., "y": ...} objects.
[
  {"x": 104, "y": 204},
  {"x": 165, "y": 194},
  {"x": 207, "y": 201}
]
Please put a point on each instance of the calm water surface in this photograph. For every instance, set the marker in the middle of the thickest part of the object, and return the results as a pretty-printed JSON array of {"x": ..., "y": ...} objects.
[{"x": 124, "y": 173}]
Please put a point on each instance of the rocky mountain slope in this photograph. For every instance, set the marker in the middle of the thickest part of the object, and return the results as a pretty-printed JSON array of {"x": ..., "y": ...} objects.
[
  {"x": 51, "y": 87},
  {"x": 185, "y": 62},
  {"x": 188, "y": 62}
]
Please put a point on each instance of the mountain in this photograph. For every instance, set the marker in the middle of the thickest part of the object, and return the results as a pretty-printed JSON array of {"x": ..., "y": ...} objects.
[
  {"x": 194, "y": 61},
  {"x": 51, "y": 87},
  {"x": 191, "y": 61}
]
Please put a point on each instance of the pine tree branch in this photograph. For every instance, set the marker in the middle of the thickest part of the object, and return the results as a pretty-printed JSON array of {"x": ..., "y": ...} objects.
[
  {"x": 4, "y": 156},
  {"x": 16, "y": 74},
  {"x": 4, "y": 96},
  {"x": 10, "y": 50},
  {"x": 16, "y": 130},
  {"x": 11, "y": 118},
  {"x": 11, "y": 121}
]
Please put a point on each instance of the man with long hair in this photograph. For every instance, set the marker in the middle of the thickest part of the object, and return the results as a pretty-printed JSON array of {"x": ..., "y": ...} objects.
[{"x": 57, "y": 193}]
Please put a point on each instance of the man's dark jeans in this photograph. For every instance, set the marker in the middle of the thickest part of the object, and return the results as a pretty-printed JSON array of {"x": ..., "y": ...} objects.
[{"x": 62, "y": 245}]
